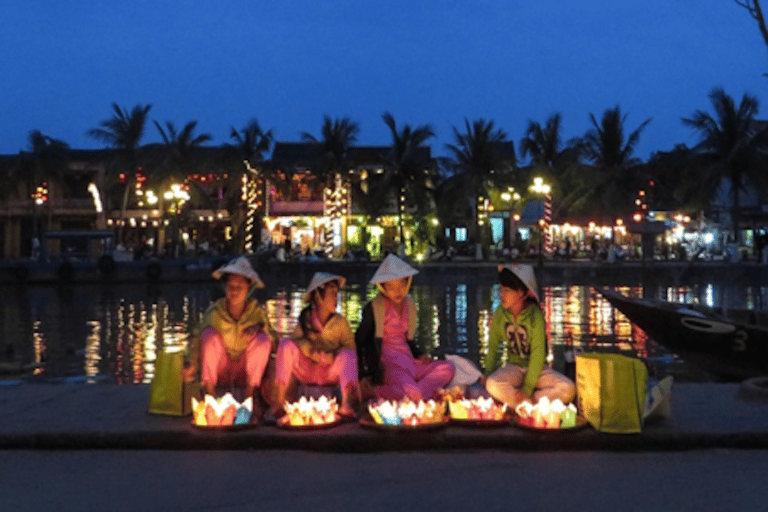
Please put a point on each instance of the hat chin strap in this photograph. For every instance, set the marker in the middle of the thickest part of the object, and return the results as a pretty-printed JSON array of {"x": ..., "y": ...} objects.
[{"x": 407, "y": 288}]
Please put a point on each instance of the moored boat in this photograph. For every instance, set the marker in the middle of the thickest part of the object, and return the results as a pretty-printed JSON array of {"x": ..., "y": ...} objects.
[{"x": 731, "y": 344}]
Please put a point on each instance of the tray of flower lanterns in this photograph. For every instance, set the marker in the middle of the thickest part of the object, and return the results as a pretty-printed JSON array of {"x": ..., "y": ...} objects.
[
  {"x": 405, "y": 415},
  {"x": 223, "y": 413},
  {"x": 546, "y": 416},
  {"x": 476, "y": 412},
  {"x": 310, "y": 413}
]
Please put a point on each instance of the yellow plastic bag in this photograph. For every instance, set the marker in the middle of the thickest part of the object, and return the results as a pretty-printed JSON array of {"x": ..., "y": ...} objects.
[
  {"x": 611, "y": 391},
  {"x": 169, "y": 394}
]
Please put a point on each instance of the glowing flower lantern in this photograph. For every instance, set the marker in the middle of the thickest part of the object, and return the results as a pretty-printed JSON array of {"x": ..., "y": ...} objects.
[
  {"x": 221, "y": 412},
  {"x": 407, "y": 412},
  {"x": 311, "y": 412},
  {"x": 477, "y": 409},
  {"x": 546, "y": 415}
]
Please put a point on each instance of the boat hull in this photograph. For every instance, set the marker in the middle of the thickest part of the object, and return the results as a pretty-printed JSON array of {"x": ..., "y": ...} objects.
[{"x": 729, "y": 344}]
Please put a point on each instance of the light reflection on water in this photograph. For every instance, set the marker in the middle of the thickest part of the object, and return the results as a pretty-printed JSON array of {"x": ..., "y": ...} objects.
[{"x": 114, "y": 333}]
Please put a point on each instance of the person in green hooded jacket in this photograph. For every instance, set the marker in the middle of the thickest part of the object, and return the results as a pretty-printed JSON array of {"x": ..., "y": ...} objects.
[{"x": 518, "y": 326}]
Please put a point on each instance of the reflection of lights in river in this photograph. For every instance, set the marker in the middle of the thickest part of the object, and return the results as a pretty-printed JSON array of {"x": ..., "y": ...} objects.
[
  {"x": 38, "y": 344},
  {"x": 460, "y": 314},
  {"x": 435, "y": 326},
  {"x": 92, "y": 348},
  {"x": 126, "y": 329},
  {"x": 484, "y": 329},
  {"x": 145, "y": 345}
]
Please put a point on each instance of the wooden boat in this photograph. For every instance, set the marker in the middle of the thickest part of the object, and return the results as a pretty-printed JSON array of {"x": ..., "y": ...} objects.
[{"x": 731, "y": 344}]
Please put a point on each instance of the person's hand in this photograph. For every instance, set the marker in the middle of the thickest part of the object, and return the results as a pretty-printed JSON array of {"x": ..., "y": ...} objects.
[
  {"x": 519, "y": 397},
  {"x": 189, "y": 373},
  {"x": 482, "y": 380},
  {"x": 321, "y": 357},
  {"x": 366, "y": 389}
]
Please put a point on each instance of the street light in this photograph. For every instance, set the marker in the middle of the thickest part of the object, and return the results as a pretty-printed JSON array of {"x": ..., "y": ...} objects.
[
  {"x": 539, "y": 187},
  {"x": 176, "y": 197}
]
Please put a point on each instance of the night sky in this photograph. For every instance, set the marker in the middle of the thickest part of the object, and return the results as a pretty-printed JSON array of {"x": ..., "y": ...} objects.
[{"x": 287, "y": 63}]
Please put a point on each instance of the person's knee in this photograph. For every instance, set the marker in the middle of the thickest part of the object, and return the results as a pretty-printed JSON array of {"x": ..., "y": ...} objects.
[
  {"x": 260, "y": 343},
  {"x": 567, "y": 392},
  {"x": 447, "y": 370},
  {"x": 347, "y": 356},
  {"x": 492, "y": 386},
  {"x": 210, "y": 337},
  {"x": 286, "y": 348}
]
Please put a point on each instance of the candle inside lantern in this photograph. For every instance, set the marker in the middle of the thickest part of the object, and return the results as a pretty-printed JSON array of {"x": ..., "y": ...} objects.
[
  {"x": 407, "y": 412},
  {"x": 306, "y": 412},
  {"x": 546, "y": 415},
  {"x": 481, "y": 408}
]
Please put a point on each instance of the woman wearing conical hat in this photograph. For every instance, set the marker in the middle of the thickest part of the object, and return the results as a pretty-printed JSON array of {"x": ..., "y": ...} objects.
[
  {"x": 390, "y": 365},
  {"x": 233, "y": 342},
  {"x": 322, "y": 350},
  {"x": 518, "y": 323}
]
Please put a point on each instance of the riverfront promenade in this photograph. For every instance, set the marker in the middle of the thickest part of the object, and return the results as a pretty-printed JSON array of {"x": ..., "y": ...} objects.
[
  {"x": 549, "y": 272},
  {"x": 106, "y": 416}
]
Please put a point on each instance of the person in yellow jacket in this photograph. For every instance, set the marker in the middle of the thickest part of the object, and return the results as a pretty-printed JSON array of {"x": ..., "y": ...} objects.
[
  {"x": 322, "y": 349},
  {"x": 233, "y": 342}
]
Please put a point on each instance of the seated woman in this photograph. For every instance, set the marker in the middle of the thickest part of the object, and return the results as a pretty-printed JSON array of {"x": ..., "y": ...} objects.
[
  {"x": 233, "y": 342},
  {"x": 322, "y": 350},
  {"x": 389, "y": 363},
  {"x": 518, "y": 323}
]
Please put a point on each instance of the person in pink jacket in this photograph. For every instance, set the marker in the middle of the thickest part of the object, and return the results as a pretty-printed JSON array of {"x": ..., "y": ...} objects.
[
  {"x": 322, "y": 349},
  {"x": 233, "y": 342},
  {"x": 390, "y": 364}
]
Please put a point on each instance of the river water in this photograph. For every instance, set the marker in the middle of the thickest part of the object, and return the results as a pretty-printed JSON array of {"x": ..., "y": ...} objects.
[{"x": 112, "y": 332}]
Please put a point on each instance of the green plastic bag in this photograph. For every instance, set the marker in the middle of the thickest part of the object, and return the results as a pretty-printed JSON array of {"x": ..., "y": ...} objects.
[
  {"x": 169, "y": 394},
  {"x": 611, "y": 391}
]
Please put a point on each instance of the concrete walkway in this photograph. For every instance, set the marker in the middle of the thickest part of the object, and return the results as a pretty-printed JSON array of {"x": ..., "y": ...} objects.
[{"x": 106, "y": 416}]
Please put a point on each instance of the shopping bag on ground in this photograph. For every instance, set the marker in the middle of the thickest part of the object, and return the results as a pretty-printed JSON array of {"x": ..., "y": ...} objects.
[
  {"x": 169, "y": 394},
  {"x": 658, "y": 404},
  {"x": 611, "y": 391}
]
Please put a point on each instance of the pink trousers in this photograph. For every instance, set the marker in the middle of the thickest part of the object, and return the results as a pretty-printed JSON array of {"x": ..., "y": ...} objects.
[
  {"x": 414, "y": 378},
  {"x": 218, "y": 369},
  {"x": 291, "y": 361}
]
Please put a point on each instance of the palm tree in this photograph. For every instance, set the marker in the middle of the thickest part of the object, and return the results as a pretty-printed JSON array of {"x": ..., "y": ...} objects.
[
  {"x": 732, "y": 139},
  {"x": 46, "y": 161},
  {"x": 247, "y": 159},
  {"x": 181, "y": 149},
  {"x": 612, "y": 182},
  {"x": 543, "y": 145},
  {"x": 180, "y": 146},
  {"x": 252, "y": 142},
  {"x": 338, "y": 136},
  {"x": 480, "y": 156},
  {"x": 408, "y": 170},
  {"x": 333, "y": 159},
  {"x": 123, "y": 133}
]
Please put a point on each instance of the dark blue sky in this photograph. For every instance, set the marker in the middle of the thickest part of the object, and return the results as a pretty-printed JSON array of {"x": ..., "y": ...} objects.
[{"x": 288, "y": 63}]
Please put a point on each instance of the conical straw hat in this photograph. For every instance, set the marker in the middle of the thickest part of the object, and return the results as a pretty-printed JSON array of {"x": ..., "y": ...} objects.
[
  {"x": 392, "y": 268},
  {"x": 242, "y": 267},
  {"x": 321, "y": 278},
  {"x": 526, "y": 274}
]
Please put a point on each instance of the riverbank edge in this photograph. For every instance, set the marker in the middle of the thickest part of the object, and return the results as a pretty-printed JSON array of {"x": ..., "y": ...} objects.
[{"x": 114, "y": 417}]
